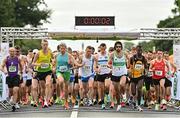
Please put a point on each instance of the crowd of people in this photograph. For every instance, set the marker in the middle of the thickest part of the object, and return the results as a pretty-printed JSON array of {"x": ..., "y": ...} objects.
[{"x": 110, "y": 78}]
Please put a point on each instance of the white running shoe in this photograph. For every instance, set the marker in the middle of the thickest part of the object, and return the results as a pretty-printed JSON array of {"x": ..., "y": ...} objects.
[
  {"x": 17, "y": 106},
  {"x": 139, "y": 108},
  {"x": 90, "y": 103},
  {"x": 45, "y": 104},
  {"x": 32, "y": 102},
  {"x": 163, "y": 101},
  {"x": 119, "y": 108}
]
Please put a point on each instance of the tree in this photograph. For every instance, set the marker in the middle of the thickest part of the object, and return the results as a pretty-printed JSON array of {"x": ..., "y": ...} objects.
[
  {"x": 7, "y": 13},
  {"x": 20, "y": 13},
  {"x": 28, "y": 44},
  {"x": 128, "y": 45},
  {"x": 170, "y": 22},
  {"x": 147, "y": 46}
]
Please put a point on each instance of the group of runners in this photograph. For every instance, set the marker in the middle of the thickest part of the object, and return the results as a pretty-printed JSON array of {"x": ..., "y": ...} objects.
[{"x": 110, "y": 78}]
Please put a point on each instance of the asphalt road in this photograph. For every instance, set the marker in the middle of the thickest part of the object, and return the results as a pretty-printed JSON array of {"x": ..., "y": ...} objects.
[{"x": 57, "y": 111}]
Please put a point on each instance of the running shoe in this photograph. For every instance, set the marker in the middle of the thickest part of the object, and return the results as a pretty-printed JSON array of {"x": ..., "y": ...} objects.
[
  {"x": 123, "y": 104},
  {"x": 119, "y": 108},
  {"x": 45, "y": 104},
  {"x": 17, "y": 106},
  {"x": 164, "y": 107},
  {"x": 35, "y": 104},
  {"x": 66, "y": 105},
  {"x": 57, "y": 101},
  {"x": 139, "y": 108},
  {"x": 112, "y": 105},
  {"x": 90, "y": 103},
  {"x": 13, "y": 108},
  {"x": 103, "y": 106},
  {"x": 156, "y": 107}
]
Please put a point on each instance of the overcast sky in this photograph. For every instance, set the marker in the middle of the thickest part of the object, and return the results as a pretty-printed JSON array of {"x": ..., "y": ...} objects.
[{"x": 129, "y": 14}]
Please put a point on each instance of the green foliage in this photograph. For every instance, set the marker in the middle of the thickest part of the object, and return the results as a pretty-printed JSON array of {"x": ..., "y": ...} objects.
[
  {"x": 147, "y": 46},
  {"x": 28, "y": 44},
  {"x": 170, "y": 22},
  {"x": 128, "y": 45},
  {"x": 164, "y": 45},
  {"x": 20, "y": 13},
  {"x": 7, "y": 10}
]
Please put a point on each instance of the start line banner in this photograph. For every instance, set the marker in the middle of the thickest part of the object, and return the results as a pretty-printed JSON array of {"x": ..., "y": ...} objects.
[
  {"x": 175, "y": 90},
  {"x": 3, "y": 87}
]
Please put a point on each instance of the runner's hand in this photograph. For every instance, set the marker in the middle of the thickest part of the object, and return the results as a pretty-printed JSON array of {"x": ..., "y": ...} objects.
[
  {"x": 97, "y": 70},
  {"x": 21, "y": 75}
]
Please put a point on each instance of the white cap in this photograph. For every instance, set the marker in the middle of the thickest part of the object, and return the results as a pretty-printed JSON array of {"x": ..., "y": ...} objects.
[{"x": 35, "y": 51}]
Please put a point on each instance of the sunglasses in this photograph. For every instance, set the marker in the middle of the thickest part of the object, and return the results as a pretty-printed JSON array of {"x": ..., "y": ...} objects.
[{"x": 118, "y": 46}]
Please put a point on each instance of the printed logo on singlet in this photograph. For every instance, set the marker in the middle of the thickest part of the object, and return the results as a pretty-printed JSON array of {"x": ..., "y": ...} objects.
[
  {"x": 138, "y": 68},
  {"x": 12, "y": 68},
  {"x": 63, "y": 68},
  {"x": 44, "y": 66},
  {"x": 158, "y": 73}
]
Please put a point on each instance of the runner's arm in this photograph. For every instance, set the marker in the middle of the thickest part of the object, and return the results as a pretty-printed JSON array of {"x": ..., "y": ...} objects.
[
  {"x": 174, "y": 66},
  {"x": 3, "y": 65},
  {"x": 73, "y": 61},
  {"x": 168, "y": 66},
  {"x": 131, "y": 63},
  {"x": 95, "y": 63},
  {"x": 110, "y": 61},
  {"x": 54, "y": 63},
  {"x": 21, "y": 66},
  {"x": 35, "y": 59},
  {"x": 127, "y": 60},
  {"x": 151, "y": 66},
  {"x": 145, "y": 64}
]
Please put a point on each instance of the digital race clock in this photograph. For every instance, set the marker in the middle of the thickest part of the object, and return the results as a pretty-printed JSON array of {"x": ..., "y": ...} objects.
[{"x": 94, "y": 20}]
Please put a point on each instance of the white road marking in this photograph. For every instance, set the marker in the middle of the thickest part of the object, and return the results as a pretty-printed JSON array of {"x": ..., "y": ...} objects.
[{"x": 74, "y": 113}]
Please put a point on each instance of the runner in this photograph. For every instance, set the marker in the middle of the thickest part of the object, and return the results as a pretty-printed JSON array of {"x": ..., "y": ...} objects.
[
  {"x": 158, "y": 66},
  {"x": 138, "y": 63},
  {"x": 13, "y": 64},
  {"x": 22, "y": 91},
  {"x": 72, "y": 96},
  {"x": 102, "y": 72},
  {"x": 35, "y": 89},
  {"x": 87, "y": 76},
  {"x": 118, "y": 61},
  {"x": 148, "y": 83},
  {"x": 76, "y": 82},
  {"x": 29, "y": 75},
  {"x": 44, "y": 71},
  {"x": 63, "y": 62},
  {"x": 169, "y": 76},
  {"x": 111, "y": 87}
]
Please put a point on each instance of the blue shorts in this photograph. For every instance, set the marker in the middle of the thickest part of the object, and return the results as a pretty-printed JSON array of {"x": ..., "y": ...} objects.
[
  {"x": 86, "y": 79},
  {"x": 72, "y": 78}
]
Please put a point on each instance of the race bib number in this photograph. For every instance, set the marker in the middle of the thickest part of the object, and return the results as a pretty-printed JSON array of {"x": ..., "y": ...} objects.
[
  {"x": 87, "y": 68},
  {"x": 138, "y": 66},
  {"x": 12, "y": 68},
  {"x": 103, "y": 66},
  {"x": 44, "y": 66},
  {"x": 63, "y": 68},
  {"x": 150, "y": 74},
  {"x": 117, "y": 69},
  {"x": 158, "y": 73},
  {"x": 71, "y": 71}
]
